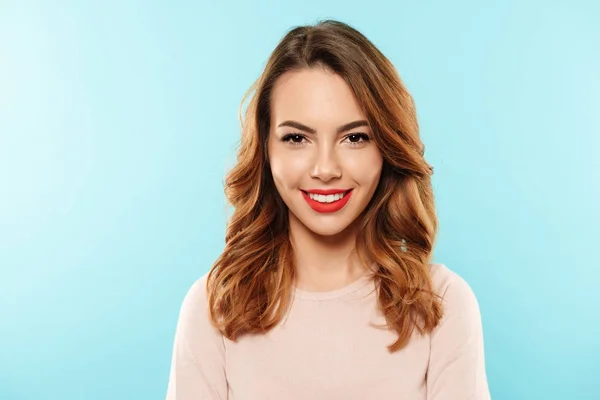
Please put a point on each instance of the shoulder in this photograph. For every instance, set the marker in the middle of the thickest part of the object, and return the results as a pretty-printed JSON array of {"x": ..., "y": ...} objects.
[
  {"x": 457, "y": 296},
  {"x": 456, "y": 362},
  {"x": 194, "y": 308},
  {"x": 197, "y": 366},
  {"x": 197, "y": 294}
]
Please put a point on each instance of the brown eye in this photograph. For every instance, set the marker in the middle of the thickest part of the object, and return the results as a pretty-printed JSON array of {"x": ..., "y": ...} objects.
[
  {"x": 294, "y": 138},
  {"x": 357, "y": 138}
]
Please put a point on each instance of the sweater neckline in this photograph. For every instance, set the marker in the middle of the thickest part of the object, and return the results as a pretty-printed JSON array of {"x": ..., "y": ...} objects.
[{"x": 352, "y": 287}]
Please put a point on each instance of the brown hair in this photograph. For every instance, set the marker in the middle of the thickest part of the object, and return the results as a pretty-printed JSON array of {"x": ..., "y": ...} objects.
[{"x": 250, "y": 284}]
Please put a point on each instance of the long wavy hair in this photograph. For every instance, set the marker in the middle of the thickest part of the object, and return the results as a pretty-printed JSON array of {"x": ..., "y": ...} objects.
[{"x": 250, "y": 284}]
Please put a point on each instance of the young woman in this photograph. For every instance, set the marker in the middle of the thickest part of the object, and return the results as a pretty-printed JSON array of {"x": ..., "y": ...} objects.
[{"x": 325, "y": 288}]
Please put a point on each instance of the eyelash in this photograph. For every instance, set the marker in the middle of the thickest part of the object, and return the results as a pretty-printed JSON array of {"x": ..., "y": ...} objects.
[{"x": 287, "y": 138}]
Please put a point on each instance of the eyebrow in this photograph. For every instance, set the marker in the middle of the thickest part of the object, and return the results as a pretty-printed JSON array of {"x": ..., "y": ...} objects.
[{"x": 340, "y": 129}]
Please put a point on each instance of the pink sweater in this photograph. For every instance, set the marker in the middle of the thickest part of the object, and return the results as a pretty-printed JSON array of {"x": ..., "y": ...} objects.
[{"x": 325, "y": 349}]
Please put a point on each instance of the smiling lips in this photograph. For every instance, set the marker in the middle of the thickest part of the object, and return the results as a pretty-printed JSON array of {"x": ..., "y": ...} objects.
[{"x": 326, "y": 200}]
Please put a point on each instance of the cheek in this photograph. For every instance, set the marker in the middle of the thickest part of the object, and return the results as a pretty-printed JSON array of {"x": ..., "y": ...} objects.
[
  {"x": 365, "y": 168},
  {"x": 287, "y": 171}
]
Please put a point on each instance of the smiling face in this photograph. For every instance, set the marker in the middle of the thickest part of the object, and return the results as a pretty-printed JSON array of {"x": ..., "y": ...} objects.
[{"x": 320, "y": 142}]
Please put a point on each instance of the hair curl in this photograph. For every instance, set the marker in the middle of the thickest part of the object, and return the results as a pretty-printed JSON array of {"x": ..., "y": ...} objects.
[{"x": 249, "y": 286}]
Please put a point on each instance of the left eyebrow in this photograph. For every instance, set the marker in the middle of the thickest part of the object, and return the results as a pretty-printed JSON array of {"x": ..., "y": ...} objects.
[{"x": 343, "y": 128}]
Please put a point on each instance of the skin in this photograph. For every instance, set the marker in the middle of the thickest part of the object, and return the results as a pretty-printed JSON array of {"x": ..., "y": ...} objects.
[{"x": 325, "y": 253}]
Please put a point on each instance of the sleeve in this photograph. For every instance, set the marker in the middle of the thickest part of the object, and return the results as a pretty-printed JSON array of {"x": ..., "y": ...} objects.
[
  {"x": 198, "y": 360},
  {"x": 457, "y": 366}
]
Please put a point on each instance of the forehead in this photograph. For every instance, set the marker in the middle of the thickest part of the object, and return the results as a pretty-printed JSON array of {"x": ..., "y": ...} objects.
[{"x": 314, "y": 96}]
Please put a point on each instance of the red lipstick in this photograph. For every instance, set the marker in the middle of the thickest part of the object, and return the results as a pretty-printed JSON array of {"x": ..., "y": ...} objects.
[{"x": 327, "y": 207}]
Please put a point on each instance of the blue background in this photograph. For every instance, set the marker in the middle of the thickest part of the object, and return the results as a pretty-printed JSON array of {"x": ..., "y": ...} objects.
[{"x": 119, "y": 119}]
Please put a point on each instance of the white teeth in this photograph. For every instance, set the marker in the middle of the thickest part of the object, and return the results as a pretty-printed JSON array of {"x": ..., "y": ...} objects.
[{"x": 330, "y": 198}]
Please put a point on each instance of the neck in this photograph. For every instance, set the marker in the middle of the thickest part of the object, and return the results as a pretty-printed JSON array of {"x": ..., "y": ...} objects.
[{"x": 324, "y": 263}]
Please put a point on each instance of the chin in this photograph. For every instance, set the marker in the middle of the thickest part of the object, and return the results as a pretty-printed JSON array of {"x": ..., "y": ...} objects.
[{"x": 325, "y": 228}]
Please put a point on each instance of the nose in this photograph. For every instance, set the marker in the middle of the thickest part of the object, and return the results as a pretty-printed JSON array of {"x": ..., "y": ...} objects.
[{"x": 326, "y": 166}]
